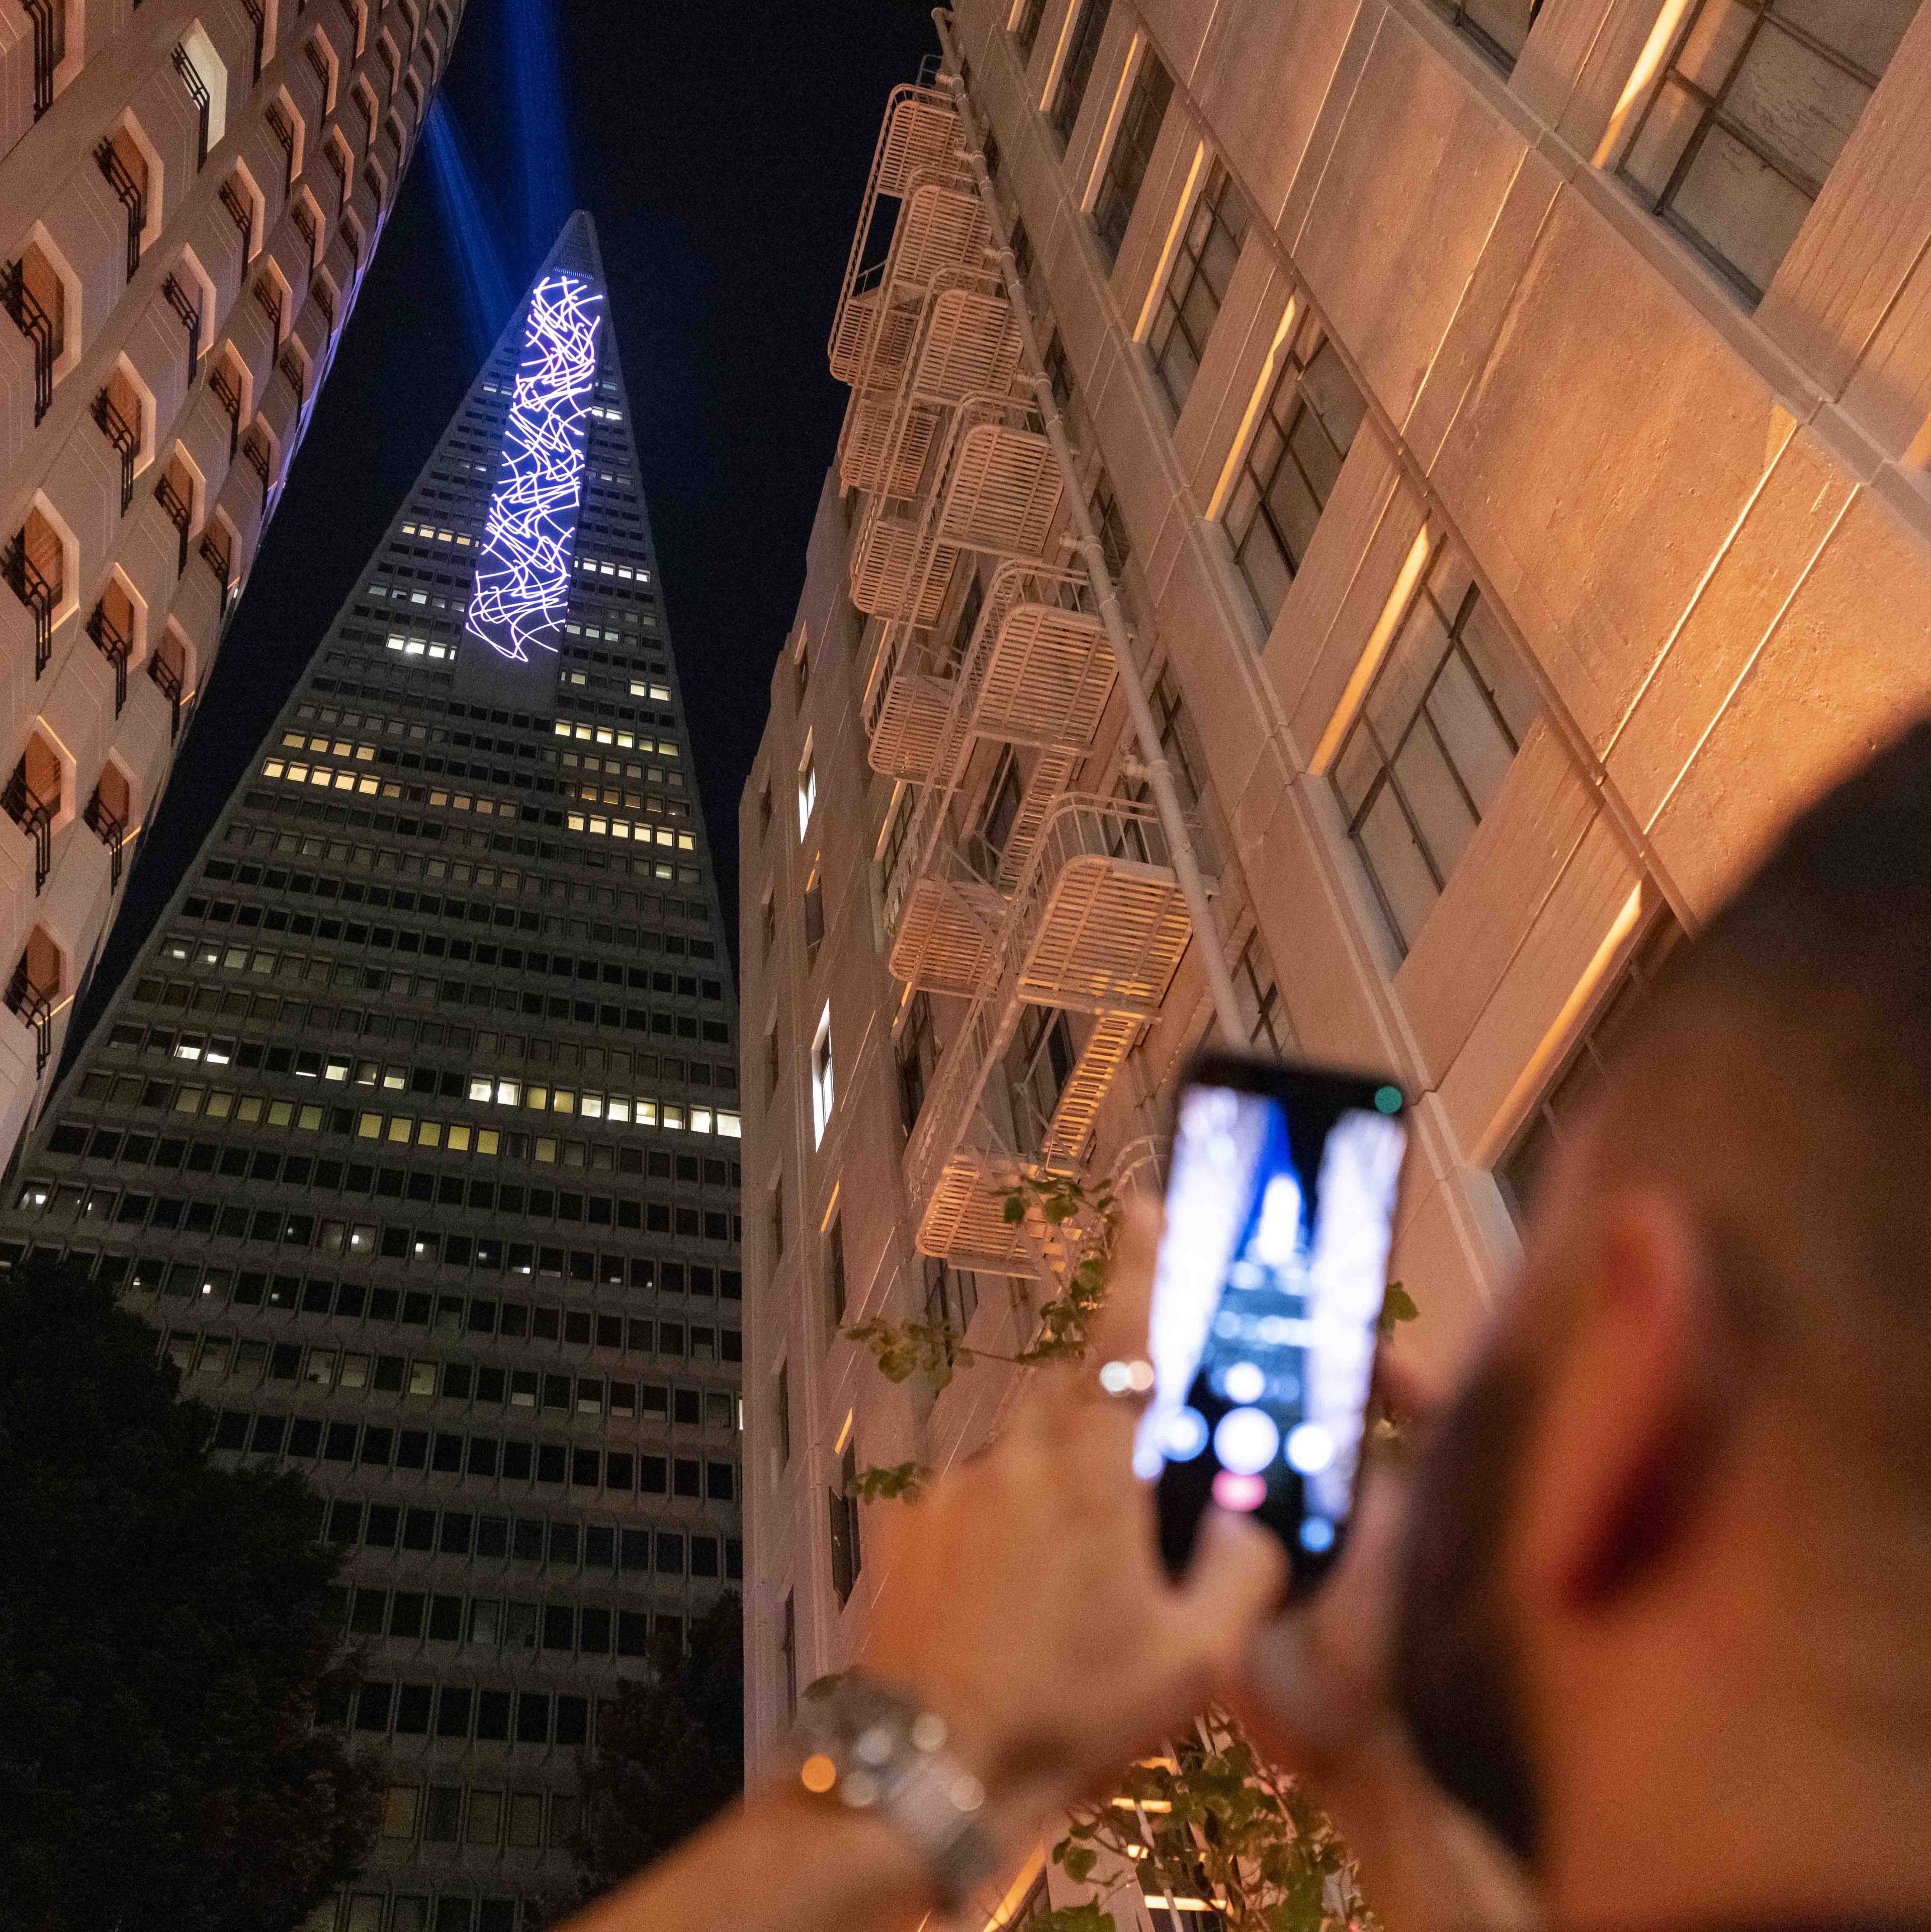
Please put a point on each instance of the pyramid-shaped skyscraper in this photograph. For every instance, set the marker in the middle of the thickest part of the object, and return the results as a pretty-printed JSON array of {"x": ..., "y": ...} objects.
[{"x": 413, "y": 1133}]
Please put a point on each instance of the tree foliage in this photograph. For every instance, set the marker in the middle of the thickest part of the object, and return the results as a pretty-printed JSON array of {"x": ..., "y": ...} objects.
[
  {"x": 164, "y": 1646},
  {"x": 669, "y": 1752}
]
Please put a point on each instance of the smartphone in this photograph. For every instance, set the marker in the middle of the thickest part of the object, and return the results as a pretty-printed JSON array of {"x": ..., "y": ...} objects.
[{"x": 1280, "y": 1211}]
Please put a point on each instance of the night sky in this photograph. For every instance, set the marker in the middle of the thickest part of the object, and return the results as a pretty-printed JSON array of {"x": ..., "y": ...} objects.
[{"x": 723, "y": 152}]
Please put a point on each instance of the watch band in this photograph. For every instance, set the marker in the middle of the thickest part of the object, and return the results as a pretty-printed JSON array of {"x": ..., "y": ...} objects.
[{"x": 874, "y": 1748}]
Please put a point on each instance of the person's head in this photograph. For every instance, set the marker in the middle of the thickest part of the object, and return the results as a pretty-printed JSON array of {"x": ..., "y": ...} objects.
[{"x": 1691, "y": 1478}]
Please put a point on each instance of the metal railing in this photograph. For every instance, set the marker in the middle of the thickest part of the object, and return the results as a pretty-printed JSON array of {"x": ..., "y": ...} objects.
[
  {"x": 112, "y": 831},
  {"x": 216, "y": 553},
  {"x": 253, "y": 8},
  {"x": 34, "y": 816},
  {"x": 319, "y": 62},
  {"x": 37, "y": 326},
  {"x": 167, "y": 680},
  {"x": 304, "y": 227},
  {"x": 319, "y": 289},
  {"x": 49, "y": 20},
  {"x": 179, "y": 514},
  {"x": 229, "y": 397},
  {"x": 133, "y": 197},
  {"x": 198, "y": 95},
  {"x": 189, "y": 313},
  {"x": 35, "y": 1006},
  {"x": 115, "y": 648},
  {"x": 241, "y": 214},
  {"x": 121, "y": 434},
  {"x": 284, "y": 130},
  {"x": 257, "y": 451},
  {"x": 269, "y": 299},
  {"x": 36, "y": 593},
  {"x": 291, "y": 369}
]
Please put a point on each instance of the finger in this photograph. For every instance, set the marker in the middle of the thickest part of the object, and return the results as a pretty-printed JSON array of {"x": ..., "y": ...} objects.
[{"x": 1234, "y": 1585}]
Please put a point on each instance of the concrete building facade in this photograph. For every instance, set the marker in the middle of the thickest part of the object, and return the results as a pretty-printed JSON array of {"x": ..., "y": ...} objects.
[
  {"x": 190, "y": 197},
  {"x": 414, "y": 1132},
  {"x": 1507, "y": 426}
]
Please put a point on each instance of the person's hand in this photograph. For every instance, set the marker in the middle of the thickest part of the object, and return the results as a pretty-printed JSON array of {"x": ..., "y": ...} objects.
[{"x": 1025, "y": 1601}]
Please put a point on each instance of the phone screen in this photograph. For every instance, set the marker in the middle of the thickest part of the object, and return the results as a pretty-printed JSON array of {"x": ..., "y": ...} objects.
[{"x": 1280, "y": 1211}]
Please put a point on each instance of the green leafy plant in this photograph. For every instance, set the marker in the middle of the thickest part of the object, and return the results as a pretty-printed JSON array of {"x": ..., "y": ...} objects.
[
  {"x": 903, "y": 1480},
  {"x": 1215, "y": 1822}
]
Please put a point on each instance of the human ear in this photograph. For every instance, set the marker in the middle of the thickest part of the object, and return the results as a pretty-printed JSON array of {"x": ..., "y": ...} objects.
[{"x": 1616, "y": 1457}]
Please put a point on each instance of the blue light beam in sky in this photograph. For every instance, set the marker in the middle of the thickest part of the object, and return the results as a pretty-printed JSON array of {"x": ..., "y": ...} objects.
[
  {"x": 486, "y": 292},
  {"x": 523, "y": 580},
  {"x": 548, "y": 192}
]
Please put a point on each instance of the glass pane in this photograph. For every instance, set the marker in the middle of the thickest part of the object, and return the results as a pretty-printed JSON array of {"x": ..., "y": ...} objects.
[
  {"x": 1740, "y": 207},
  {"x": 1266, "y": 568},
  {"x": 1795, "y": 103},
  {"x": 1429, "y": 790},
  {"x": 1460, "y": 712},
  {"x": 1659, "y": 142},
  {"x": 1178, "y": 368},
  {"x": 1498, "y": 667},
  {"x": 1326, "y": 385},
  {"x": 1356, "y": 769},
  {"x": 1865, "y": 32},
  {"x": 1504, "y": 22},
  {"x": 1715, "y": 39},
  {"x": 1403, "y": 680},
  {"x": 1395, "y": 864}
]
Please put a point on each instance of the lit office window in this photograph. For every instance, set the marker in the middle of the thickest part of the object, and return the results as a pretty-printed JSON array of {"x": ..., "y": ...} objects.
[{"x": 822, "y": 1089}]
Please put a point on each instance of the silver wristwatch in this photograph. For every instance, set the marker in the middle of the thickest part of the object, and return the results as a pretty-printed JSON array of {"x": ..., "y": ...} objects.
[{"x": 873, "y": 1748}]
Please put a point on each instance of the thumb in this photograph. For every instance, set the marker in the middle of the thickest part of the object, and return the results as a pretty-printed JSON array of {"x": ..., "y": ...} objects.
[{"x": 1234, "y": 1585}]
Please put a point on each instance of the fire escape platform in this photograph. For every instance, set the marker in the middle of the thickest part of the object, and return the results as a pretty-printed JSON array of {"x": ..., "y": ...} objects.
[{"x": 947, "y": 936}]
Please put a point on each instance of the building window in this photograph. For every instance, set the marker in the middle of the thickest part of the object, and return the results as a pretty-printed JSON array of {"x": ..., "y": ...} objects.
[
  {"x": 1497, "y": 27},
  {"x": 1125, "y": 171},
  {"x": 1026, "y": 26},
  {"x": 807, "y": 790},
  {"x": 1110, "y": 526},
  {"x": 768, "y": 925},
  {"x": 777, "y": 1219},
  {"x": 847, "y": 1557},
  {"x": 1197, "y": 285},
  {"x": 1581, "y": 1071},
  {"x": 1288, "y": 472},
  {"x": 814, "y": 919},
  {"x": 918, "y": 1054},
  {"x": 1751, "y": 114},
  {"x": 764, "y": 809},
  {"x": 822, "y": 1079},
  {"x": 784, "y": 1407},
  {"x": 835, "y": 1269},
  {"x": 1259, "y": 994},
  {"x": 952, "y": 1296},
  {"x": 787, "y": 1651},
  {"x": 893, "y": 845},
  {"x": 1082, "y": 50},
  {"x": 1047, "y": 1058},
  {"x": 770, "y": 1062},
  {"x": 1059, "y": 373},
  {"x": 802, "y": 666},
  {"x": 1437, "y": 731},
  {"x": 1170, "y": 711},
  {"x": 1003, "y": 797},
  {"x": 1022, "y": 249}
]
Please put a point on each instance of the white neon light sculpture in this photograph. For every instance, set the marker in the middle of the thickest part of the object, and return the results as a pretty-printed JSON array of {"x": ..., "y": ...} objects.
[{"x": 522, "y": 578}]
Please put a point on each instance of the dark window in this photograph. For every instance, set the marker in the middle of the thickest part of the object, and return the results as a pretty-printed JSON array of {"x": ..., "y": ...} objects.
[
  {"x": 1424, "y": 759},
  {"x": 1082, "y": 50},
  {"x": 1581, "y": 1070},
  {"x": 845, "y": 1557},
  {"x": 1197, "y": 285},
  {"x": 1750, "y": 116},
  {"x": 1288, "y": 472},
  {"x": 835, "y": 1268},
  {"x": 1125, "y": 171},
  {"x": 1026, "y": 28},
  {"x": 1497, "y": 27}
]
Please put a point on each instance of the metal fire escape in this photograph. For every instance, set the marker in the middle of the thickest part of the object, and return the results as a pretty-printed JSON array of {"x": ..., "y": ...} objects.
[{"x": 1083, "y": 905}]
